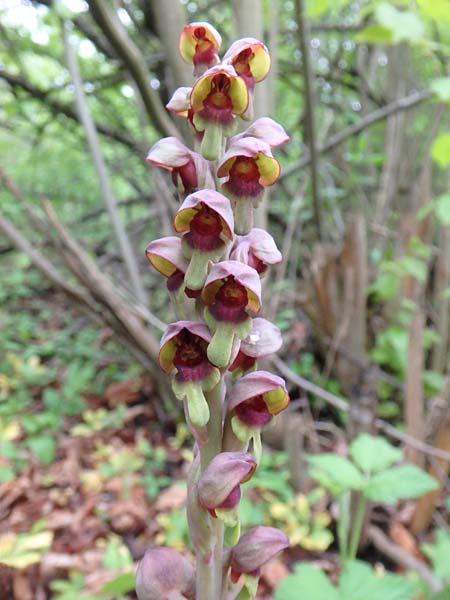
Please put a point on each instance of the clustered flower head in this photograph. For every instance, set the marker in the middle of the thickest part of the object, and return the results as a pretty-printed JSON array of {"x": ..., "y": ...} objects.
[{"x": 213, "y": 269}]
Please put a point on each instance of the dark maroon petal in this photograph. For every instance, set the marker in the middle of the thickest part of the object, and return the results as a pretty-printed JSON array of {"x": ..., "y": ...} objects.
[
  {"x": 205, "y": 230},
  {"x": 244, "y": 178},
  {"x": 194, "y": 373},
  {"x": 230, "y": 302},
  {"x": 253, "y": 412},
  {"x": 188, "y": 175},
  {"x": 242, "y": 361},
  {"x": 233, "y": 499},
  {"x": 175, "y": 280}
]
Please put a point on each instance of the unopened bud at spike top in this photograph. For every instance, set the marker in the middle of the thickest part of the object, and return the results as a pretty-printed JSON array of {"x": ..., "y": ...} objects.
[{"x": 162, "y": 573}]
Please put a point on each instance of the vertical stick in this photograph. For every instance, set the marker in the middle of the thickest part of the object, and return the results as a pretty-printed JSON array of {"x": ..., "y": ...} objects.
[
  {"x": 304, "y": 44},
  {"x": 414, "y": 414}
]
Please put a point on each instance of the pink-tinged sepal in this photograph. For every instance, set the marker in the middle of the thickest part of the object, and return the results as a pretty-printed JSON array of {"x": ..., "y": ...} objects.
[
  {"x": 254, "y": 549},
  {"x": 183, "y": 349},
  {"x": 163, "y": 573},
  {"x": 219, "y": 485},
  {"x": 266, "y": 130},
  {"x": 232, "y": 291},
  {"x": 216, "y": 99},
  {"x": 256, "y": 249},
  {"x": 206, "y": 220},
  {"x": 166, "y": 256},
  {"x": 198, "y": 44},
  {"x": 263, "y": 339},
  {"x": 189, "y": 170},
  {"x": 180, "y": 104},
  {"x": 247, "y": 168}
]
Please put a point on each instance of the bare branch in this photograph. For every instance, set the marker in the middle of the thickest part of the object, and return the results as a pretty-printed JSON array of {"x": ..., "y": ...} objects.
[{"x": 374, "y": 117}]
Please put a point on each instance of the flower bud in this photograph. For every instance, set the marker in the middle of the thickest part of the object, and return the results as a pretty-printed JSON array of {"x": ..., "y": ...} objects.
[
  {"x": 162, "y": 574},
  {"x": 219, "y": 485},
  {"x": 198, "y": 44},
  {"x": 266, "y": 130},
  {"x": 263, "y": 339},
  {"x": 255, "y": 548},
  {"x": 256, "y": 249}
]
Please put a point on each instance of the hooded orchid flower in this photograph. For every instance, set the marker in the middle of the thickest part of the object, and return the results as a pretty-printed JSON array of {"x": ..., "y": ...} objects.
[
  {"x": 199, "y": 43},
  {"x": 216, "y": 99},
  {"x": 180, "y": 104},
  {"x": 266, "y": 130},
  {"x": 163, "y": 573},
  {"x": 206, "y": 220},
  {"x": 189, "y": 170},
  {"x": 256, "y": 249},
  {"x": 246, "y": 169},
  {"x": 183, "y": 349},
  {"x": 263, "y": 339},
  {"x": 254, "y": 400},
  {"x": 251, "y": 60},
  {"x": 254, "y": 549},
  {"x": 219, "y": 485},
  {"x": 232, "y": 291}
]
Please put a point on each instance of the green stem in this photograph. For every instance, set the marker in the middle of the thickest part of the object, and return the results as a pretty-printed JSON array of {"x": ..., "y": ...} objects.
[
  {"x": 357, "y": 527},
  {"x": 243, "y": 216},
  {"x": 343, "y": 525}
]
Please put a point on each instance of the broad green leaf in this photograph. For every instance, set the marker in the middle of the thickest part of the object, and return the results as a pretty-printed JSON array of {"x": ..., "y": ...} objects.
[
  {"x": 316, "y": 8},
  {"x": 306, "y": 582},
  {"x": 399, "y": 483},
  {"x": 335, "y": 473},
  {"x": 442, "y": 208},
  {"x": 43, "y": 446},
  {"x": 441, "y": 87},
  {"x": 373, "y": 453},
  {"x": 404, "y": 26},
  {"x": 442, "y": 595},
  {"x": 440, "y": 150},
  {"x": 439, "y": 553},
  {"x": 358, "y": 581}
]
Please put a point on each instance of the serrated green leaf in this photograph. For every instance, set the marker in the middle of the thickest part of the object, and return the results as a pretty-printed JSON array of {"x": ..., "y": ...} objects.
[
  {"x": 358, "y": 581},
  {"x": 440, "y": 150},
  {"x": 373, "y": 453},
  {"x": 399, "y": 483}
]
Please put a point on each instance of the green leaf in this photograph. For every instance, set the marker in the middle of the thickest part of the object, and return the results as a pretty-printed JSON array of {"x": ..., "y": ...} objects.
[
  {"x": 438, "y": 554},
  {"x": 374, "y": 34},
  {"x": 399, "y": 483},
  {"x": 44, "y": 447},
  {"x": 335, "y": 473},
  {"x": 358, "y": 581},
  {"x": 442, "y": 595},
  {"x": 373, "y": 453},
  {"x": 316, "y": 8},
  {"x": 440, "y": 150},
  {"x": 441, "y": 87},
  {"x": 306, "y": 582},
  {"x": 404, "y": 26},
  {"x": 119, "y": 585},
  {"x": 442, "y": 208},
  {"x": 436, "y": 9}
]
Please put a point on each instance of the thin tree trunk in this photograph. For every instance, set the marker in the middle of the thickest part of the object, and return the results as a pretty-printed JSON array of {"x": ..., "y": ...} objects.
[
  {"x": 105, "y": 187},
  {"x": 414, "y": 400}
]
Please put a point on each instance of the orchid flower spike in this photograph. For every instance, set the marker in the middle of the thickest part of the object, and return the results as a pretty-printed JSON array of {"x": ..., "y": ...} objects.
[
  {"x": 183, "y": 349},
  {"x": 246, "y": 169},
  {"x": 254, "y": 400},
  {"x": 199, "y": 43},
  {"x": 206, "y": 220},
  {"x": 189, "y": 170},
  {"x": 263, "y": 339},
  {"x": 163, "y": 574},
  {"x": 256, "y": 249},
  {"x": 232, "y": 291},
  {"x": 216, "y": 99},
  {"x": 254, "y": 549},
  {"x": 219, "y": 485}
]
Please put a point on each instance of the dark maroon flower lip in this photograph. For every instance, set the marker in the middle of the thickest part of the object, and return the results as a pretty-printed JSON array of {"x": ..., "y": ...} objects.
[
  {"x": 230, "y": 502},
  {"x": 174, "y": 282},
  {"x": 195, "y": 373},
  {"x": 253, "y": 412},
  {"x": 188, "y": 175},
  {"x": 242, "y": 361},
  {"x": 205, "y": 230},
  {"x": 244, "y": 178},
  {"x": 230, "y": 302}
]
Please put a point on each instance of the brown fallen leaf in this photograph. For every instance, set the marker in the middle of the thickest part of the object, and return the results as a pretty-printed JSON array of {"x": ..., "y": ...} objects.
[
  {"x": 404, "y": 538},
  {"x": 6, "y": 581},
  {"x": 171, "y": 498},
  {"x": 274, "y": 571}
]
